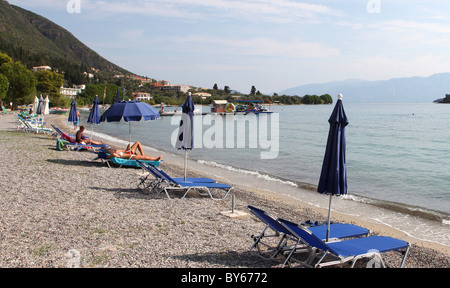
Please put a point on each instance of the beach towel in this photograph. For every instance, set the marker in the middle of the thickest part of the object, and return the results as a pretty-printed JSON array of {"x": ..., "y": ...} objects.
[{"x": 61, "y": 144}]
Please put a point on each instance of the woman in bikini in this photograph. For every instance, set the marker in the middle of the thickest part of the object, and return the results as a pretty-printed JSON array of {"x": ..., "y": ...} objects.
[{"x": 130, "y": 153}]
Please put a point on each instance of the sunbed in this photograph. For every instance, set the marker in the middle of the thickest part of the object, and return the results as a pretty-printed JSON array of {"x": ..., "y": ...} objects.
[
  {"x": 262, "y": 246},
  {"x": 103, "y": 155},
  {"x": 29, "y": 127},
  {"x": 178, "y": 184},
  {"x": 159, "y": 177},
  {"x": 345, "y": 251},
  {"x": 73, "y": 144}
]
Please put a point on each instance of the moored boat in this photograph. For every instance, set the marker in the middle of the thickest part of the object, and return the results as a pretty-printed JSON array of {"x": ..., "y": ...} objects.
[{"x": 223, "y": 107}]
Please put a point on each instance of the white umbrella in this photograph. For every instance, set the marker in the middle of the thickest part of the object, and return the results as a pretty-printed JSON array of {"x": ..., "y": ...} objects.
[
  {"x": 46, "y": 107},
  {"x": 35, "y": 104}
]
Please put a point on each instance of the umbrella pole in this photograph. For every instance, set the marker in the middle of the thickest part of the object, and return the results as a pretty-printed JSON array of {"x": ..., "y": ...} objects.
[
  {"x": 185, "y": 164},
  {"x": 329, "y": 216},
  {"x": 129, "y": 133}
]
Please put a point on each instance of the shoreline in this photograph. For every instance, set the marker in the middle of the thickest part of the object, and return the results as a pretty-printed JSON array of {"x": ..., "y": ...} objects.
[
  {"x": 209, "y": 225},
  {"x": 379, "y": 228}
]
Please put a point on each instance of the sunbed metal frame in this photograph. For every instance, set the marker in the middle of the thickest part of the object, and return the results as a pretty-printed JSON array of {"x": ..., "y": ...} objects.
[
  {"x": 344, "y": 251},
  {"x": 163, "y": 182}
]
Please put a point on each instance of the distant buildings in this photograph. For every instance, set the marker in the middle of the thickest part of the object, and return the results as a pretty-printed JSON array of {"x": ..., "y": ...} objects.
[
  {"x": 203, "y": 95},
  {"x": 72, "y": 92},
  {"x": 143, "y": 80},
  {"x": 176, "y": 88},
  {"x": 143, "y": 96},
  {"x": 42, "y": 68}
]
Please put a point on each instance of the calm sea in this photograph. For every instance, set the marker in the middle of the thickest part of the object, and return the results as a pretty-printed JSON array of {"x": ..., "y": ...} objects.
[{"x": 397, "y": 154}]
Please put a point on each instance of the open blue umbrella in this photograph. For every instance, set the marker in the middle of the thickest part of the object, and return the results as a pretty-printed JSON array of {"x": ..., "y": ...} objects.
[
  {"x": 185, "y": 138},
  {"x": 333, "y": 178},
  {"x": 94, "y": 116},
  {"x": 129, "y": 111}
]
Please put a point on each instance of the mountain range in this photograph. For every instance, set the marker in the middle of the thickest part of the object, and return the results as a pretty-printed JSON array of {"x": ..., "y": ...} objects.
[
  {"x": 410, "y": 89},
  {"x": 33, "y": 38}
]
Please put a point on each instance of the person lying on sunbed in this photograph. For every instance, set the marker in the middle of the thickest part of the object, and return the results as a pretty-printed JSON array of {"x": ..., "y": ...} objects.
[
  {"x": 131, "y": 153},
  {"x": 81, "y": 139}
]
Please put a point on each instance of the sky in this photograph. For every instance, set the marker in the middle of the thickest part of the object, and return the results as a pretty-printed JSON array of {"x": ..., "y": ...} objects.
[{"x": 270, "y": 44}]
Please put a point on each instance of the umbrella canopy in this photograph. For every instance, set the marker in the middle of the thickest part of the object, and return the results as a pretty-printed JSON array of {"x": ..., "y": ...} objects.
[
  {"x": 40, "y": 108},
  {"x": 35, "y": 104},
  {"x": 185, "y": 138},
  {"x": 333, "y": 178},
  {"x": 73, "y": 117},
  {"x": 94, "y": 116},
  {"x": 46, "y": 106},
  {"x": 118, "y": 96},
  {"x": 129, "y": 111}
]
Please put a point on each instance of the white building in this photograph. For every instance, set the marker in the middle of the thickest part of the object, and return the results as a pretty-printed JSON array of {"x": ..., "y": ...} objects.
[
  {"x": 72, "y": 92},
  {"x": 42, "y": 68},
  {"x": 143, "y": 96}
]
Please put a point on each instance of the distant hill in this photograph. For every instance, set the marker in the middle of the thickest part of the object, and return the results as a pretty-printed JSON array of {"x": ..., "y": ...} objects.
[
  {"x": 35, "y": 40},
  {"x": 412, "y": 89}
]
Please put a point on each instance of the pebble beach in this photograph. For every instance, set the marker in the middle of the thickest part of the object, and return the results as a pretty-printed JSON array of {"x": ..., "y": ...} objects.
[{"x": 60, "y": 205}]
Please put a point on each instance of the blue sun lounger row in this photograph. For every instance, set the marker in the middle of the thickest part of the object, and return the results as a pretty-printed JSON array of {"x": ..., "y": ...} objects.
[
  {"x": 267, "y": 250},
  {"x": 311, "y": 240},
  {"x": 345, "y": 251},
  {"x": 164, "y": 182}
]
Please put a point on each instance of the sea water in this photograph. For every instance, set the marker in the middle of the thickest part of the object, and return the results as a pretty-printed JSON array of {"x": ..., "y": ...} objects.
[{"x": 397, "y": 157}]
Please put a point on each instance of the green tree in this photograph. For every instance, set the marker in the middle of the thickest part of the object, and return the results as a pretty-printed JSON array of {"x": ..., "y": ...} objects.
[
  {"x": 4, "y": 87},
  {"x": 253, "y": 90},
  {"x": 49, "y": 83},
  {"x": 22, "y": 83},
  {"x": 4, "y": 59},
  {"x": 327, "y": 99}
]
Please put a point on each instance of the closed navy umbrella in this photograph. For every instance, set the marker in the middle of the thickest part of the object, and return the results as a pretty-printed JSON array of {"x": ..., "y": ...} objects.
[
  {"x": 94, "y": 116},
  {"x": 40, "y": 109},
  {"x": 118, "y": 96},
  {"x": 73, "y": 117},
  {"x": 185, "y": 138},
  {"x": 333, "y": 178},
  {"x": 129, "y": 111}
]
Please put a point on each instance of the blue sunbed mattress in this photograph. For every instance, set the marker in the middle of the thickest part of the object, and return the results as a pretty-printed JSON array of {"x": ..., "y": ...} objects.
[{"x": 128, "y": 162}]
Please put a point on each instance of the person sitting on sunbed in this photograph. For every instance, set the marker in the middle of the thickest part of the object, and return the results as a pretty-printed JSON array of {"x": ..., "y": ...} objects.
[
  {"x": 131, "y": 153},
  {"x": 81, "y": 139}
]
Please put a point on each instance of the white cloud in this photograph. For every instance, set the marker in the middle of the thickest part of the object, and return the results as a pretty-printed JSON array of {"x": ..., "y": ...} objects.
[
  {"x": 249, "y": 10},
  {"x": 412, "y": 26},
  {"x": 258, "y": 46}
]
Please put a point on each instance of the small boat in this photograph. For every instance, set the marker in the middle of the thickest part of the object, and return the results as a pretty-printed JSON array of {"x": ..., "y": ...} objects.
[
  {"x": 57, "y": 110},
  {"x": 164, "y": 112},
  {"x": 223, "y": 107}
]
